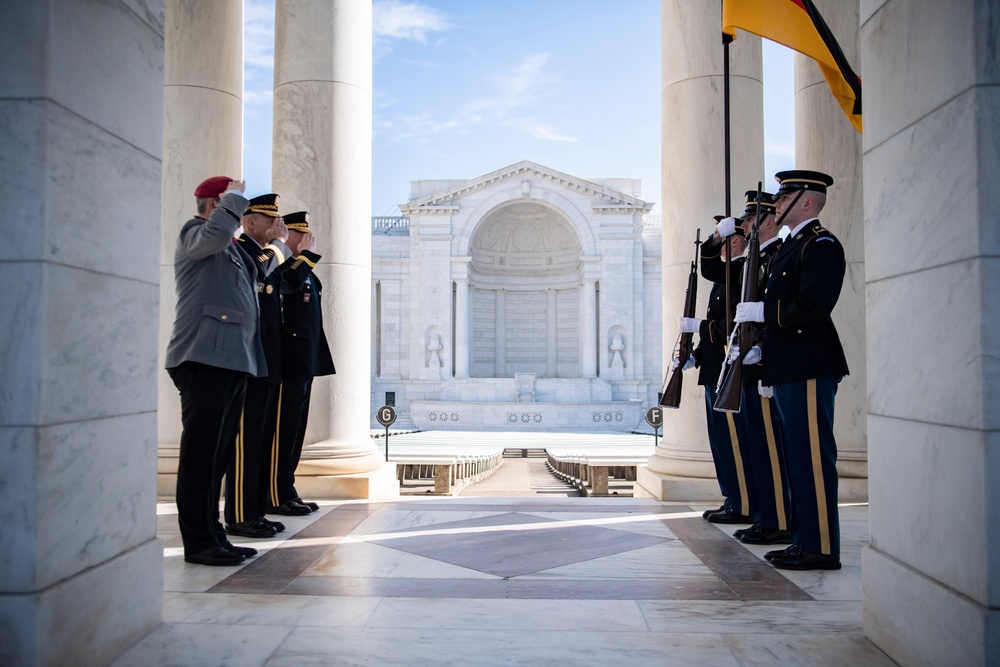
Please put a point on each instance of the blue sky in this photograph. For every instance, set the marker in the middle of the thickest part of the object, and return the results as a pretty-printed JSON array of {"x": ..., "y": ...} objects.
[{"x": 465, "y": 87}]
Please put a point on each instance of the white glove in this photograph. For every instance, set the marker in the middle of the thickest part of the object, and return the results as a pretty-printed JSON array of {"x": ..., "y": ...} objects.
[
  {"x": 750, "y": 311},
  {"x": 766, "y": 392},
  {"x": 726, "y": 227},
  {"x": 753, "y": 356},
  {"x": 677, "y": 362},
  {"x": 734, "y": 353},
  {"x": 690, "y": 325}
]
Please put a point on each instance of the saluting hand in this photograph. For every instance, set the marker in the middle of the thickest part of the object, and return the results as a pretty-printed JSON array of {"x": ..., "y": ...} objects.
[
  {"x": 236, "y": 185},
  {"x": 308, "y": 243},
  {"x": 278, "y": 230}
]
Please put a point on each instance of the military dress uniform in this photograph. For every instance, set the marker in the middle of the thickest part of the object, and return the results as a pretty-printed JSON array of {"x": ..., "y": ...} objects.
[
  {"x": 765, "y": 441},
  {"x": 723, "y": 427},
  {"x": 256, "y": 443},
  {"x": 305, "y": 355},
  {"x": 803, "y": 360}
]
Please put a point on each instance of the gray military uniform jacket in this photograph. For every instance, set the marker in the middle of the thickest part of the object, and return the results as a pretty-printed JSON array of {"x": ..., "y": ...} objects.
[{"x": 216, "y": 284}]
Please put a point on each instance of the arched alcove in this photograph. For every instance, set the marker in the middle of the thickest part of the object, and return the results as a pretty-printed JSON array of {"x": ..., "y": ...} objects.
[{"x": 524, "y": 274}]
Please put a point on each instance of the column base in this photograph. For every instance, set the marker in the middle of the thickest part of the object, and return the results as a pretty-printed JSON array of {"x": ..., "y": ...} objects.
[
  {"x": 315, "y": 483},
  {"x": 916, "y": 620},
  {"x": 124, "y": 602},
  {"x": 166, "y": 470},
  {"x": 673, "y": 488}
]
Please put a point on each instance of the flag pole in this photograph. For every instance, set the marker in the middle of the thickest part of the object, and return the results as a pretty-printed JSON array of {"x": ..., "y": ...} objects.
[{"x": 726, "y": 39}]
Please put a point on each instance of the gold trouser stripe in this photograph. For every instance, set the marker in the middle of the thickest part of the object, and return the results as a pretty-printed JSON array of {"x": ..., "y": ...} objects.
[
  {"x": 274, "y": 451},
  {"x": 734, "y": 439},
  {"x": 817, "y": 466},
  {"x": 238, "y": 468},
  {"x": 772, "y": 453}
]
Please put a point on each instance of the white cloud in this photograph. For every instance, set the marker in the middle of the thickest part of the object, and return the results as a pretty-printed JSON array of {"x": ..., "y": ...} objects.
[
  {"x": 517, "y": 90},
  {"x": 253, "y": 97},
  {"x": 258, "y": 33},
  {"x": 548, "y": 134},
  {"x": 395, "y": 19}
]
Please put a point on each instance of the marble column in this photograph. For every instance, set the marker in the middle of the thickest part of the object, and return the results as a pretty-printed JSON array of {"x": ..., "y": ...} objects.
[
  {"x": 81, "y": 145},
  {"x": 202, "y": 137},
  {"x": 463, "y": 312},
  {"x": 825, "y": 140},
  {"x": 693, "y": 191},
  {"x": 588, "y": 329},
  {"x": 322, "y": 163},
  {"x": 500, "y": 344},
  {"x": 551, "y": 334},
  {"x": 931, "y": 574}
]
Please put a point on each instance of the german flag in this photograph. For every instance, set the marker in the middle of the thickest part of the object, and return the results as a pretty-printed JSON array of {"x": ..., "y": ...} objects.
[{"x": 798, "y": 25}]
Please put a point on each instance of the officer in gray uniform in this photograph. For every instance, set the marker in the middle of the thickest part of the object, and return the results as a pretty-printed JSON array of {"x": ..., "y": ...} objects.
[{"x": 215, "y": 346}]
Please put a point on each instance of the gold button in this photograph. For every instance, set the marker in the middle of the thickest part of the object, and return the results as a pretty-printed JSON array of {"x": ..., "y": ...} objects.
[
  {"x": 799, "y": 331},
  {"x": 765, "y": 290},
  {"x": 784, "y": 273},
  {"x": 225, "y": 317},
  {"x": 798, "y": 236}
]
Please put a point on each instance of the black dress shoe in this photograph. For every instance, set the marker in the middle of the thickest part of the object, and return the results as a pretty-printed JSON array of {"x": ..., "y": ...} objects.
[
  {"x": 767, "y": 536},
  {"x": 277, "y": 525},
  {"x": 291, "y": 508},
  {"x": 252, "y": 528},
  {"x": 215, "y": 556},
  {"x": 706, "y": 513},
  {"x": 729, "y": 515},
  {"x": 246, "y": 552},
  {"x": 771, "y": 555},
  {"x": 313, "y": 507},
  {"x": 740, "y": 532},
  {"x": 797, "y": 559}
]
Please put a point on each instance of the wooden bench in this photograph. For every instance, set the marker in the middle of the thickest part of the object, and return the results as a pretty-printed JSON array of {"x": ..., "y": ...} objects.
[
  {"x": 590, "y": 474},
  {"x": 451, "y": 473}
]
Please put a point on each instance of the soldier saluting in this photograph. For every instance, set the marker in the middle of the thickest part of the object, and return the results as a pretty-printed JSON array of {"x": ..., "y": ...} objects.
[{"x": 803, "y": 360}]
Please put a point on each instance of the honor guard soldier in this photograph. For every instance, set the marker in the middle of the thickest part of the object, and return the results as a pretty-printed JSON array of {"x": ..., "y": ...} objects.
[
  {"x": 803, "y": 361},
  {"x": 709, "y": 356},
  {"x": 306, "y": 355},
  {"x": 215, "y": 346},
  {"x": 764, "y": 443}
]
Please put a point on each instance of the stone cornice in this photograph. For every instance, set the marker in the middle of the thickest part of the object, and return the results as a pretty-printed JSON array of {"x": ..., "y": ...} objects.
[{"x": 605, "y": 200}]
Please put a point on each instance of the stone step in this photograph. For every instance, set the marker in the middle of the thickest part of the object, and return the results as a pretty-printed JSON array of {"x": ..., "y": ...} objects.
[{"x": 523, "y": 453}]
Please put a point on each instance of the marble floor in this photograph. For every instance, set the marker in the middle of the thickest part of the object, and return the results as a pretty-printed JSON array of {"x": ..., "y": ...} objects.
[{"x": 508, "y": 581}]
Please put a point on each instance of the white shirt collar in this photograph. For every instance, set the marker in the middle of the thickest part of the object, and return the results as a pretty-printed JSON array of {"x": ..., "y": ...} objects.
[
  {"x": 768, "y": 242},
  {"x": 802, "y": 225}
]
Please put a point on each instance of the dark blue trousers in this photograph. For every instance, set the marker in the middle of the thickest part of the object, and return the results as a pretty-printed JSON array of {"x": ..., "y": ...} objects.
[
  {"x": 723, "y": 439},
  {"x": 806, "y": 412},
  {"x": 766, "y": 451}
]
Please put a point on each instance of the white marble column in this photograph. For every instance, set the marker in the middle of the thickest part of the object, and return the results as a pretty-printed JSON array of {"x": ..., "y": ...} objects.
[
  {"x": 463, "y": 312},
  {"x": 551, "y": 334},
  {"x": 322, "y": 163},
  {"x": 825, "y": 140},
  {"x": 931, "y": 574},
  {"x": 693, "y": 191},
  {"x": 202, "y": 137},
  {"x": 588, "y": 328},
  {"x": 500, "y": 344},
  {"x": 81, "y": 144}
]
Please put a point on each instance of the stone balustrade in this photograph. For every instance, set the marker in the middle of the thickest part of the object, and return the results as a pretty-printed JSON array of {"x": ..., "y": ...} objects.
[
  {"x": 451, "y": 473},
  {"x": 590, "y": 474}
]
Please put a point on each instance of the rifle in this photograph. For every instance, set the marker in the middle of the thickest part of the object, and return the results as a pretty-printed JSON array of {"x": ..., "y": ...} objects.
[
  {"x": 670, "y": 395},
  {"x": 730, "y": 391}
]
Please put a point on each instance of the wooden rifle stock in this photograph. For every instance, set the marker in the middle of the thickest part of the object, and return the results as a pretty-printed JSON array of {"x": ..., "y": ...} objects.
[
  {"x": 729, "y": 396},
  {"x": 670, "y": 395}
]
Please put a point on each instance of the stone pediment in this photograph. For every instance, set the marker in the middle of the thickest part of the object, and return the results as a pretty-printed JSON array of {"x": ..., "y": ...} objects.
[{"x": 603, "y": 199}]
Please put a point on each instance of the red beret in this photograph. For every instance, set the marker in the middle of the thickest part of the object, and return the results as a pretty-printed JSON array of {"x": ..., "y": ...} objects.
[{"x": 212, "y": 187}]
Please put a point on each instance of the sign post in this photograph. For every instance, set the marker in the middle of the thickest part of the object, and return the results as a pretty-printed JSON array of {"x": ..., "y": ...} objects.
[
  {"x": 386, "y": 415},
  {"x": 654, "y": 417}
]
